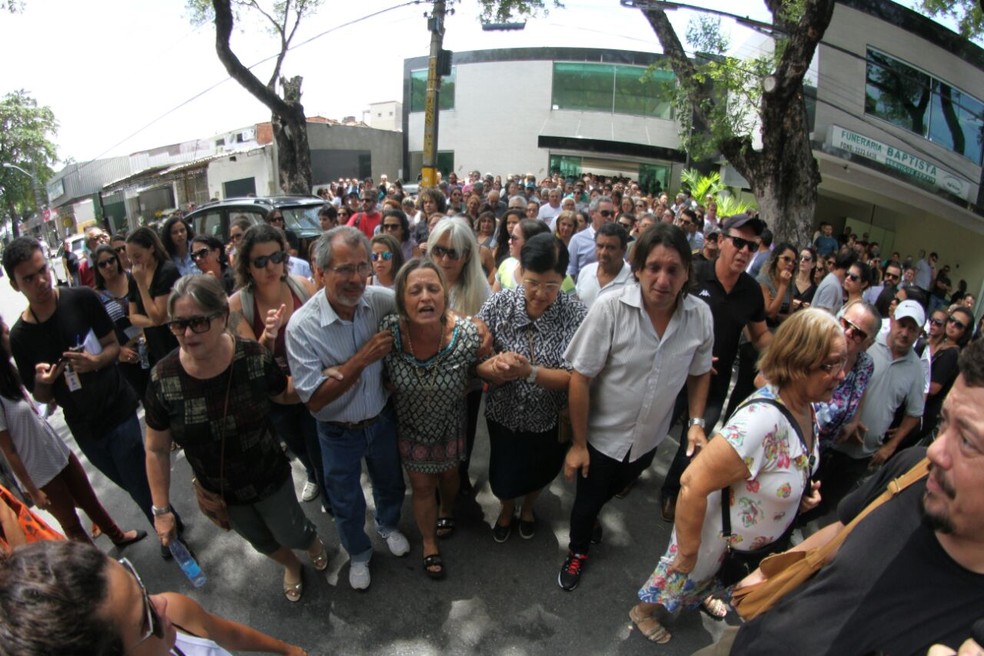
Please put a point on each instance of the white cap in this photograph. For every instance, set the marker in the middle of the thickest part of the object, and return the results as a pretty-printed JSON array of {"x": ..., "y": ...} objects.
[{"x": 911, "y": 309}]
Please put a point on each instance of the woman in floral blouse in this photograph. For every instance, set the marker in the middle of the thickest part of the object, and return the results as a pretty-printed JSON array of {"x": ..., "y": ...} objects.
[
  {"x": 531, "y": 326},
  {"x": 764, "y": 455}
]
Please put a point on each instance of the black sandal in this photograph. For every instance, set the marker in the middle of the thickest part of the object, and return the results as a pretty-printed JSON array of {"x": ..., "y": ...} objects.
[
  {"x": 434, "y": 561},
  {"x": 445, "y": 527}
]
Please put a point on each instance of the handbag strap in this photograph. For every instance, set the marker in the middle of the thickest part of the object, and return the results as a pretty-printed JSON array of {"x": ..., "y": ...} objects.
[
  {"x": 894, "y": 488},
  {"x": 225, "y": 414},
  {"x": 725, "y": 492}
]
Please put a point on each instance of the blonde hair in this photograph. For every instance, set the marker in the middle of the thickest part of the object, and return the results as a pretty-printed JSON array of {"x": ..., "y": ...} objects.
[{"x": 800, "y": 345}]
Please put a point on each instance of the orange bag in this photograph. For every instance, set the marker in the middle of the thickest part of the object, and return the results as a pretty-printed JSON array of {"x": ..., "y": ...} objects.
[{"x": 35, "y": 529}]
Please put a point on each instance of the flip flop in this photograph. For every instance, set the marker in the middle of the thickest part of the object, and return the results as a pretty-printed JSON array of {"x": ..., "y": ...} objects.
[
  {"x": 650, "y": 627},
  {"x": 445, "y": 527},
  {"x": 435, "y": 561},
  {"x": 294, "y": 591},
  {"x": 714, "y": 608},
  {"x": 320, "y": 562}
]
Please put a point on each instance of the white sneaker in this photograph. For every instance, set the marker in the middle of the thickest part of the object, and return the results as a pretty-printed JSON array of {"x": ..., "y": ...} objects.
[
  {"x": 310, "y": 491},
  {"x": 359, "y": 577},
  {"x": 397, "y": 543}
]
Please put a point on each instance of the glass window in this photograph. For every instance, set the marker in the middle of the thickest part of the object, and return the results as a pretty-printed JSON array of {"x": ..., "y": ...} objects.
[
  {"x": 567, "y": 165},
  {"x": 418, "y": 90},
  {"x": 654, "y": 178},
  {"x": 583, "y": 86},
  {"x": 916, "y": 101},
  {"x": 611, "y": 88},
  {"x": 642, "y": 94}
]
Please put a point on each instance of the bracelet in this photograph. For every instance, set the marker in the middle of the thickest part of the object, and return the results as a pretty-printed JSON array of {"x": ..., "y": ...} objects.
[
  {"x": 531, "y": 379},
  {"x": 158, "y": 512}
]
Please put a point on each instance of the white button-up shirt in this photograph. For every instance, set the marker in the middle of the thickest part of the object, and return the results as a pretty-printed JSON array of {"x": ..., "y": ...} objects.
[
  {"x": 588, "y": 288},
  {"x": 636, "y": 375}
]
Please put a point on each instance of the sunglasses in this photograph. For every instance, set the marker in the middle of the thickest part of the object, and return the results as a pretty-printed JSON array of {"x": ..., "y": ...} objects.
[
  {"x": 120, "y": 249},
  {"x": 851, "y": 330},
  {"x": 741, "y": 243},
  {"x": 153, "y": 624},
  {"x": 853, "y": 277},
  {"x": 386, "y": 257},
  {"x": 937, "y": 322},
  {"x": 200, "y": 254},
  {"x": 891, "y": 276},
  {"x": 105, "y": 264},
  {"x": 450, "y": 253},
  {"x": 261, "y": 261},
  {"x": 806, "y": 258},
  {"x": 392, "y": 226},
  {"x": 959, "y": 324},
  {"x": 606, "y": 213},
  {"x": 198, "y": 325},
  {"x": 278, "y": 217}
]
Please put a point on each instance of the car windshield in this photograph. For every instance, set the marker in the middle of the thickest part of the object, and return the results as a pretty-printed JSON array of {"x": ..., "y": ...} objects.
[{"x": 302, "y": 219}]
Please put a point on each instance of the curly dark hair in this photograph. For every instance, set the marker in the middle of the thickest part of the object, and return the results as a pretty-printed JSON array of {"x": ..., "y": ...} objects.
[
  {"x": 260, "y": 233},
  {"x": 166, "y": 233}
]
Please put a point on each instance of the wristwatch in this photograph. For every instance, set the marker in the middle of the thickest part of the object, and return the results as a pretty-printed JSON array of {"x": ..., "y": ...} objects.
[
  {"x": 158, "y": 512},
  {"x": 531, "y": 379},
  {"x": 695, "y": 421}
]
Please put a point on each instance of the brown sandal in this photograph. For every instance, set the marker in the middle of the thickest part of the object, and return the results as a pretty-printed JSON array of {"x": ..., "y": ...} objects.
[{"x": 650, "y": 627}]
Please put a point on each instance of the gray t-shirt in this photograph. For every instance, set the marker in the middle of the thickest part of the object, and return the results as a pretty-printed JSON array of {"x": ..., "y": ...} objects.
[
  {"x": 43, "y": 453},
  {"x": 830, "y": 294}
]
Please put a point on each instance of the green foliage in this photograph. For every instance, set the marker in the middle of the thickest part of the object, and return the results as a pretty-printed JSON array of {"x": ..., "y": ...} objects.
[
  {"x": 13, "y": 6},
  {"x": 26, "y": 131},
  {"x": 701, "y": 185},
  {"x": 966, "y": 13},
  {"x": 504, "y": 11},
  {"x": 279, "y": 18}
]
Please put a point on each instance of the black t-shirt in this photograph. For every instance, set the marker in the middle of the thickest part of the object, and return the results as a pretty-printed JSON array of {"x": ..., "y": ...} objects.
[
  {"x": 160, "y": 339},
  {"x": 891, "y": 588},
  {"x": 731, "y": 313},
  {"x": 105, "y": 399}
]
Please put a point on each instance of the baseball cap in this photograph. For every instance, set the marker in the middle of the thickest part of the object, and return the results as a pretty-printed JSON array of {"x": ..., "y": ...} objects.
[
  {"x": 740, "y": 220},
  {"x": 911, "y": 309}
]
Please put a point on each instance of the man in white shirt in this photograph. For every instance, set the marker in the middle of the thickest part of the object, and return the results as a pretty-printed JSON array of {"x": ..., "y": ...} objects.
[
  {"x": 549, "y": 211},
  {"x": 582, "y": 246},
  {"x": 611, "y": 271}
]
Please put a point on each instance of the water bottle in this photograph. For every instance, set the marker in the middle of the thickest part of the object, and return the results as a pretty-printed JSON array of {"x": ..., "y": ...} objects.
[
  {"x": 142, "y": 352},
  {"x": 187, "y": 562}
]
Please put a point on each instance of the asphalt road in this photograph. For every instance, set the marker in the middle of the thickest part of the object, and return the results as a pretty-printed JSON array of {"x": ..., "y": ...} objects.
[{"x": 496, "y": 599}]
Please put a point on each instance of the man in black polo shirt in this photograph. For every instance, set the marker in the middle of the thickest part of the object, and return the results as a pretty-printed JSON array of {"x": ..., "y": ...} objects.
[
  {"x": 736, "y": 302},
  {"x": 66, "y": 350}
]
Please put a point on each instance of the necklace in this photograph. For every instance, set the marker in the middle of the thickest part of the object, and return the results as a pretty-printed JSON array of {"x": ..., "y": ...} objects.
[{"x": 419, "y": 366}]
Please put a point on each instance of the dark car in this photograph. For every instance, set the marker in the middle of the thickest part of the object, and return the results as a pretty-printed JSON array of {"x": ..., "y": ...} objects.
[{"x": 300, "y": 215}]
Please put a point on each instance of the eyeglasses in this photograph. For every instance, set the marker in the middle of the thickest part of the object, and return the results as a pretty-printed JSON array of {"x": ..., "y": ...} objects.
[
  {"x": 451, "y": 253},
  {"x": 606, "y": 213},
  {"x": 806, "y": 258},
  {"x": 937, "y": 322},
  {"x": 200, "y": 254},
  {"x": 120, "y": 249},
  {"x": 851, "y": 330},
  {"x": 386, "y": 257},
  {"x": 786, "y": 258},
  {"x": 853, "y": 277},
  {"x": 741, "y": 243},
  {"x": 625, "y": 224},
  {"x": 261, "y": 261},
  {"x": 198, "y": 325},
  {"x": 154, "y": 626},
  {"x": 276, "y": 217},
  {"x": 392, "y": 226},
  {"x": 349, "y": 270},
  {"x": 833, "y": 368},
  {"x": 535, "y": 286},
  {"x": 959, "y": 324}
]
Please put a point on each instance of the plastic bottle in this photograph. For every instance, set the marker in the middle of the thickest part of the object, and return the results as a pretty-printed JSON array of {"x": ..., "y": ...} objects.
[
  {"x": 142, "y": 352},
  {"x": 187, "y": 562}
]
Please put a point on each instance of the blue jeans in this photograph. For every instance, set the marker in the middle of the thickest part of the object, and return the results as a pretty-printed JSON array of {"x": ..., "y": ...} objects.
[
  {"x": 342, "y": 451},
  {"x": 119, "y": 454}
]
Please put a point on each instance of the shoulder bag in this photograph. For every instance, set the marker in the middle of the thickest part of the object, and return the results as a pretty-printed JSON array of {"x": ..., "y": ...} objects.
[{"x": 786, "y": 571}]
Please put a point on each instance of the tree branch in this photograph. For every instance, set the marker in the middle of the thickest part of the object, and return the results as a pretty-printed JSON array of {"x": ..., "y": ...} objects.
[
  {"x": 223, "y": 32},
  {"x": 802, "y": 45}
]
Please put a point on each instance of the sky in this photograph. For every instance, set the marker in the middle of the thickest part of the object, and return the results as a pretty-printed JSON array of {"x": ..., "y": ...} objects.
[{"x": 127, "y": 75}]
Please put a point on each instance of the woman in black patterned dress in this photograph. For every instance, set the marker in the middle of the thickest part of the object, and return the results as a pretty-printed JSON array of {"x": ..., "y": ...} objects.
[
  {"x": 433, "y": 359},
  {"x": 531, "y": 327}
]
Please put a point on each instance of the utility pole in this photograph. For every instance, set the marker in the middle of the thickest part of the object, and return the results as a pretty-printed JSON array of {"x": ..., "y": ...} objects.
[{"x": 435, "y": 23}]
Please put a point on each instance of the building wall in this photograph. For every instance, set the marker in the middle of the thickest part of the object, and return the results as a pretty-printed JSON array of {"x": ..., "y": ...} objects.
[
  {"x": 503, "y": 107},
  {"x": 258, "y": 164},
  {"x": 385, "y": 147},
  {"x": 386, "y": 115}
]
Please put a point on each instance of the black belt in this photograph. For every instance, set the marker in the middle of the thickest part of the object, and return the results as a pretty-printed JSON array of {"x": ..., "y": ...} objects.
[{"x": 356, "y": 425}]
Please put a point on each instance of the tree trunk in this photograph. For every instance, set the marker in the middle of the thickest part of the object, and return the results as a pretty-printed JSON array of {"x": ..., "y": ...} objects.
[{"x": 293, "y": 151}]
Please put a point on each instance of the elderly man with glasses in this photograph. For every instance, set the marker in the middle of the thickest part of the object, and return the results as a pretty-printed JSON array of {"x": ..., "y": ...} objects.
[
  {"x": 94, "y": 238},
  {"x": 582, "y": 246}
]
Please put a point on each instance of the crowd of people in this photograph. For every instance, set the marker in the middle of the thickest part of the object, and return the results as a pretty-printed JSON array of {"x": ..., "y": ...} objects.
[{"x": 590, "y": 316}]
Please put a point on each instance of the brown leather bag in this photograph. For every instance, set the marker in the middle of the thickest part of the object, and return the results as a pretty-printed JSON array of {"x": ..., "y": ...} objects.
[{"x": 786, "y": 571}]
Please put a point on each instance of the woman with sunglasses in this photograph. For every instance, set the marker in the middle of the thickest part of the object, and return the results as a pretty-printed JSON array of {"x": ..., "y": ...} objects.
[
  {"x": 115, "y": 286},
  {"x": 396, "y": 225},
  {"x": 856, "y": 281},
  {"x": 118, "y": 242},
  {"x": 155, "y": 275},
  {"x": 47, "y": 470},
  {"x": 267, "y": 299},
  {"x": 83, "y": 602},
  {"x": 803, "y": 285},
  {"x": 387, "y": 258},
  {"x": 453, "y": 248},
  {"x": 955, "y": 332},
  {"x": 176, "y": 235},
  {"x": 210, "y": 257},
  {"x": 214, "y": 396}
]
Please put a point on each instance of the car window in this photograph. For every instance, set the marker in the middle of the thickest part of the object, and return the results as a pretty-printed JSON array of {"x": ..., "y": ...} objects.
[
  {"x": 209, "y": 224},
  {"x": 302, "y": 219}
]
